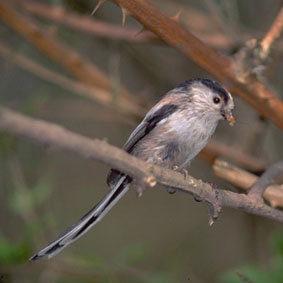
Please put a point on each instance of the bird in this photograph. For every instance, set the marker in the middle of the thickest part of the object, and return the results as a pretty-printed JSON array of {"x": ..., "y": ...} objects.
[{"x": 171, "y": 134}]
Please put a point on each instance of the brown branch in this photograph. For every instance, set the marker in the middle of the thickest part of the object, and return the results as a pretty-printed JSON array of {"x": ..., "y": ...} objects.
[
  {"x": 99, "y": 95},
  {"x": 100, "y": 28},
  {"x": 245, "y": 180},
  {"x": 51, "y": 135},
  {"x": 69, "y": 59},
  {"x": 215, "y": 150},
  {"x": 273, "y": 33},
  {"x": 220, "y": 66},
  {"x": 266, "y": 179},
  {"x": 86, "y": 23}
]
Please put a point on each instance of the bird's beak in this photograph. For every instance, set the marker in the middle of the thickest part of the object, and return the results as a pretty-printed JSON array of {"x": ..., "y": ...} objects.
[{"x": 229, "y": 117}]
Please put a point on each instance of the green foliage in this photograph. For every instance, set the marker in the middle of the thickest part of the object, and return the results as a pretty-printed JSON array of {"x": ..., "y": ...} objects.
[
  {"x": 258, "y": 274},
  {"x": 132, "y": 254},
  {"x": 7, "y": 144},
  {"x": 23, "y": 201},
  {"x": 11, "y": 253}
]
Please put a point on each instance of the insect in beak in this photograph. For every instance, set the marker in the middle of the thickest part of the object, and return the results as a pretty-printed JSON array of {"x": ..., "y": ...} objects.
[{"x": 229, "y": 117}]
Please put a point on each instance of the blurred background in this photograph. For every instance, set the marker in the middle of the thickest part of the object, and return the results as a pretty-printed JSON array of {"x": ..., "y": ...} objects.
[{"x": 96, "y": 77}]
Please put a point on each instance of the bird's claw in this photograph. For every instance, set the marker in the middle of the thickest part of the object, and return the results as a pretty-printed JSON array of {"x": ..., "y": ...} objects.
[{"x": 181, "y": 170}]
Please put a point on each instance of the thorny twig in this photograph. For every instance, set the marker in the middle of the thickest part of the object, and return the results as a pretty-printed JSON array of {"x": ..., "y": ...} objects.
[
  {"x": 220, "y": 66},
  {"x": 86, "y": 23}
]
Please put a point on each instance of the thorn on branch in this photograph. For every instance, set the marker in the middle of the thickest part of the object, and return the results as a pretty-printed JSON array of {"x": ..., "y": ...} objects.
[
  {"x": 100, "y": 2},
  {"x": 176, "y": 18},
  {"x": 125, "y": 12}
]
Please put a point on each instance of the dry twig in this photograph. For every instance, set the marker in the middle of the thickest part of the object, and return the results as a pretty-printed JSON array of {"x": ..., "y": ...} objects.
[
  {"x": 50, "y": 135},
  {"x": 69, "y": 59},
  {"x": 245, "y": 180},
  {"x": 215, "y": 150},
  {"x": 86, "y": 23},
  {"x": 100, "y": 28},
  {"x": 273, "y": 33},
  {"x": 97, "y": 94}
]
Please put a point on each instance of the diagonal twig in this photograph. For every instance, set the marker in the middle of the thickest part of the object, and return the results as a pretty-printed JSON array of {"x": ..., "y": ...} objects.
[
  {"x": 273, "y": 33},
  {"x": 97, "y": 94},
  {"x": 68, "y": 58}
]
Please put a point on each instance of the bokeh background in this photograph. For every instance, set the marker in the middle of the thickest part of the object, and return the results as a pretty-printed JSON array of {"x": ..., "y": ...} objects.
[{"x": 156, "y": 238}]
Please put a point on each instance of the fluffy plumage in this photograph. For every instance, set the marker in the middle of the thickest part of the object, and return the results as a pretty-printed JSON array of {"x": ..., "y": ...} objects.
[{"x": 172, "y": 133}]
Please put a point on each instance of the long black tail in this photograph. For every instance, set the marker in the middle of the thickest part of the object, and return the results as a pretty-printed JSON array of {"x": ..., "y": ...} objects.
[{"x": 87, "y": 221}]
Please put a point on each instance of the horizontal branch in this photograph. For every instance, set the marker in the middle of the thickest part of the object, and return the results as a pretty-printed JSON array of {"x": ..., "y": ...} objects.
[
  {"x": 245, "y": 180},
  {"x": 54, "y": 136},
  {"x": 215, "y": 150},
  {"x": 220, "y": 66}
]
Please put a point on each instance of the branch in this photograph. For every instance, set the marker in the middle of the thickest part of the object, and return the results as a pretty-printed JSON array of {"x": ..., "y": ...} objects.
[
  {"x": 245, "y": 180},
  {"x": 211, "y": 152},
  {"x": 215, "y": 150},
  {"x": 86, "y": 23},
  {"x": 97, "y": 94},
  {"x": 69, "y": 59},
  {"x": 273, "y": 34},
  {"x": 101, "y": 28},
  {"x": 251, "y": 59},
  {"x": 266, "y": 179},
  {"x": 220, "y": 66},
  {"x": 51, "y": 135}
]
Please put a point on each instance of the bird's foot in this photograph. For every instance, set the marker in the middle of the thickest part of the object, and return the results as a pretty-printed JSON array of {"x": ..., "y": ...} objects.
[
  {"x": 171, "y": 190},
  {"x": 181, "y": 170}
]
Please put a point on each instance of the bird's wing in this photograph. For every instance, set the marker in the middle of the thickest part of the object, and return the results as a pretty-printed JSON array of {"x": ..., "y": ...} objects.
[{"x": 155, "y": 116}]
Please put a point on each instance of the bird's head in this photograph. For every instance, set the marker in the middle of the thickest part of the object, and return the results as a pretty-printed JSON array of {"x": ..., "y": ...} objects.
[{"x": 210, "y": 99}]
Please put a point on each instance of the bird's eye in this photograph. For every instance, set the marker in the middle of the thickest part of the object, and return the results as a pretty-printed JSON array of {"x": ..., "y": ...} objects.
[{"x": 216, "y": 100}]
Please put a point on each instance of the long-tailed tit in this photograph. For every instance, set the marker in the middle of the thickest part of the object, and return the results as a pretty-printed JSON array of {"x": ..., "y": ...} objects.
[{"x": 172, "y": 133}]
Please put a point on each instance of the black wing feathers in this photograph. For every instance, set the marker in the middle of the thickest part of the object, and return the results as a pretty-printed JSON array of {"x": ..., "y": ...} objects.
[
  {"x": 144, "y": 128},
  {"x": 149, "y": 124}
]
